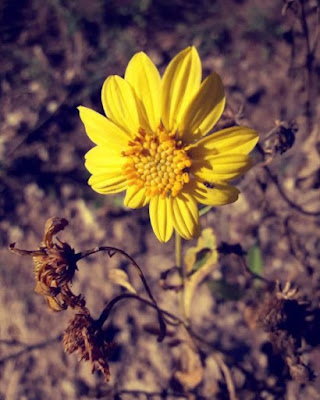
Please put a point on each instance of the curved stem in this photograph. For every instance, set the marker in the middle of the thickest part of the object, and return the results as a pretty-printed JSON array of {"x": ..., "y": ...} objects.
[
  {"x": 111, "y": 252},
  {"x": 174, "y": 319},
  {"x": 106, "y": 312}
]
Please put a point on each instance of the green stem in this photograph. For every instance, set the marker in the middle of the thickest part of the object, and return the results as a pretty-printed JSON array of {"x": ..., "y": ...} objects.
[
  {"x": 178, "y": 250},
  {"x": 183, "y": 275}
]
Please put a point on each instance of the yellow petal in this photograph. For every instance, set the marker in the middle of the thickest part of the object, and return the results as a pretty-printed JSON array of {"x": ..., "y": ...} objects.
[
  {"x": 103, "y": 159},
  {"x": 237, "y": 140},
  {"x": 185, "y": 215},
  {"x": 136, "y": 197},
  {"x": 160, "y": 211},
  {"x": 108, "y": 182},
  {"x": 204, "y": 110},
  {"x": 120, "y": 105},
  {"x": 100, "y": 130},
  {"x": 221, "y": 167},
  {"x": 145, "y": 79},
  {"x": 213, "y": 194},
  {"x": 181, "y": 81}
]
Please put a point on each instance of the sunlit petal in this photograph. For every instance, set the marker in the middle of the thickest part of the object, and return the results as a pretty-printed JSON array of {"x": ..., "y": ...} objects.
[
  {"x": 185, "y": 215},
  {"x": 145, "y": 79},
  {"x": 236, "y": 140},
  {"x": 102, "y": 158},
  {"x": 213, "y": 194},
  {"x": 101, "y": 130},
  {"x": 221, "y": 167},
  {"x": 204, "y": 110},
  {"x": 136, "y": 197},
  {"x": 160, "y": 211},
  {"x": 108, "y": 182},
  {"x": 181, "y": 81},
  {"x": 120, "y": 105}
]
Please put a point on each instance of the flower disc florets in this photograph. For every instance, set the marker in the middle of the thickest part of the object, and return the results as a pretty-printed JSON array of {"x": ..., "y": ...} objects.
[{"x": 157, "y": 162}]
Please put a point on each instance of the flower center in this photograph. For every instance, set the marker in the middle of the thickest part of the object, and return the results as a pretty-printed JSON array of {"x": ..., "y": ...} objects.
[{"x": 157, "y": 162}]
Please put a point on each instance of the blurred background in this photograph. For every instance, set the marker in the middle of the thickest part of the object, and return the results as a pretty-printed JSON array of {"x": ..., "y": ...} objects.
[{"x": 55, "y": 55}]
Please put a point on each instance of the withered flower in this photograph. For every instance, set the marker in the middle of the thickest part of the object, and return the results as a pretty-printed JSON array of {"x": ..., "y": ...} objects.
[
  {"x": 85, "y": 337},
  {"x": 285, "y": 315},
  {"x": 54, "y": 267}
]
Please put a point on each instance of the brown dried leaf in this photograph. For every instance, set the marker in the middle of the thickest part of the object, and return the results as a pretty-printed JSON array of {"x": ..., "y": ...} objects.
[
  {"x": 190, "y": 371},
  {"x": 120, "y": 277}
]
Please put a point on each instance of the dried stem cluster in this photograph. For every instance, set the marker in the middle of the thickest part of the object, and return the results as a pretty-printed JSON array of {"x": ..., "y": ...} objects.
[{"x": 55, "y": 264}]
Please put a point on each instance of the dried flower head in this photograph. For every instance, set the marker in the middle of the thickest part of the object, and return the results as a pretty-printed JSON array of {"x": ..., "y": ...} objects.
[
  {"x": 280, "y": 139},
  {"x": 285, "y": 316},
  {"x": 54, "y": 267},
  {"x": 85, "y": 337}
]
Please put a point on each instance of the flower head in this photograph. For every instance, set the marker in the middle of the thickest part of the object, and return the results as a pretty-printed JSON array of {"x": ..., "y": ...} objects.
[
  {"x": 154, "y": 143},
  {"x": 85, "y": 338},
  {"x": 54, "y": 268}
]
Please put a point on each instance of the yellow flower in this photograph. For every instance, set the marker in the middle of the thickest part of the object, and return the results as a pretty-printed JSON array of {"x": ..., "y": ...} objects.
[{"x": 153, "y": 143}]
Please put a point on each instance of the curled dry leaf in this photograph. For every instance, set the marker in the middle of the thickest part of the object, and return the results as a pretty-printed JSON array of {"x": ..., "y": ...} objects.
[
  {"x": 190, "y": 370},
  {"x": 200, "y": 262},
  {"x": 120, "y": 277},
  {"x": 190, "y": 374}
]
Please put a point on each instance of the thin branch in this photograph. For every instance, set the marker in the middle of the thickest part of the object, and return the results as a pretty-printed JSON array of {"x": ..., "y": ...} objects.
[
  {"x": 300, "y": 254},
  {"x": 316, "y": 36},
  {"x": 301, "y": 16},
  {"x": 305, "y": 28},
  {"x": 30, "y": 348},
  {"x": 309, "y": 60},
  {"x": 285, "y": 197},
  {"x": 281, "y": 191},
  {"x": 227, "y": 376},
  {"x": 252, "y": 274},
  {"x": 12, "y": 342},
  {"x": 163, "y": 395}
]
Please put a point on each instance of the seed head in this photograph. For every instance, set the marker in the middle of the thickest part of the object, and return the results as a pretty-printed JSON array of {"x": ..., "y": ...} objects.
[{"x": 85, "y": 337}]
